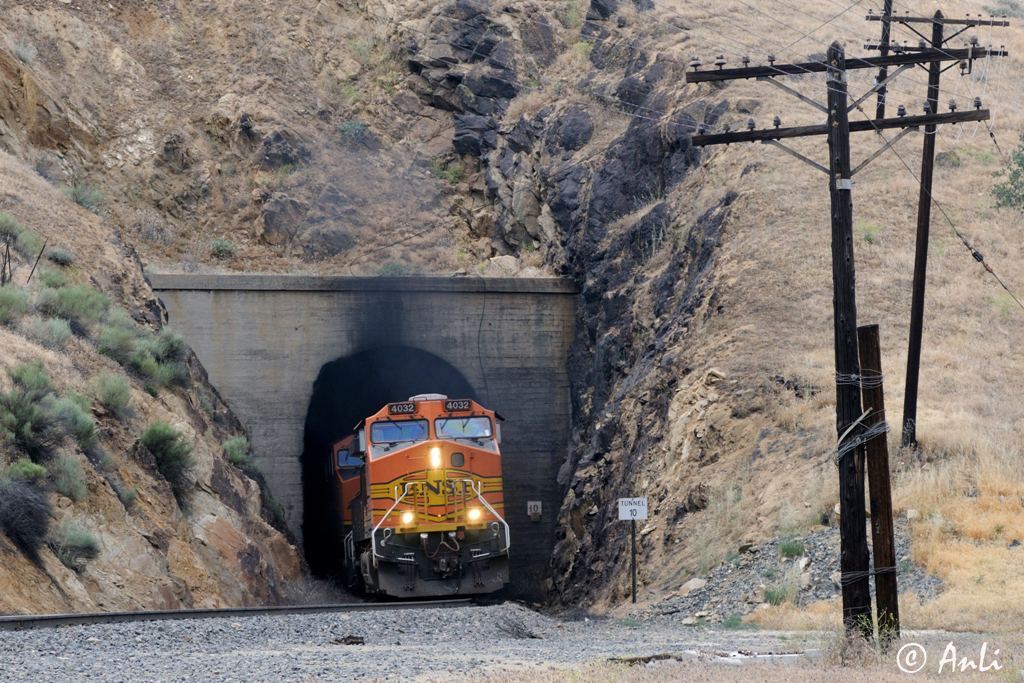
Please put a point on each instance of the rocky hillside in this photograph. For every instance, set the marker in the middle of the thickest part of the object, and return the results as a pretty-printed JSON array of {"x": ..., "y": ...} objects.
[
  {"x": 116, "y": 492},
  {"x": 535, "y": 137}
]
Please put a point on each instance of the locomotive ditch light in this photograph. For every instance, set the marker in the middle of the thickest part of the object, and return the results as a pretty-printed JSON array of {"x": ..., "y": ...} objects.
[
  {"x": 407, "y": 518},
  {"x": 474, "y": 514},
  {"x": 435, "y": 457}
]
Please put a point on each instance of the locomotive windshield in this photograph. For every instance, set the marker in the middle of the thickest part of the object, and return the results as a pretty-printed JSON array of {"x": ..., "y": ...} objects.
[
  {"x": 395, "y": 431},
  {"x": 463, "y": 428}
]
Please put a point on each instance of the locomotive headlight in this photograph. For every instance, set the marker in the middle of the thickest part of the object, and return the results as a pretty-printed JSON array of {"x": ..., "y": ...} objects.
[
  {"x": 406, "y": 518},
  {"x": 474, "y": 515},
  {"x": 435, "y": 457}
]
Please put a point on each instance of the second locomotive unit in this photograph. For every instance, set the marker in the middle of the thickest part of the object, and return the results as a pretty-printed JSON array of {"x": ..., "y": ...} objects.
[{"x": 422, "y": 499}]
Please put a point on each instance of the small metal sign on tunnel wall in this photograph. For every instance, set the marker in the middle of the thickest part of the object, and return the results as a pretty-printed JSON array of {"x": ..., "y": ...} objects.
[{"x": 265, "y": 339}]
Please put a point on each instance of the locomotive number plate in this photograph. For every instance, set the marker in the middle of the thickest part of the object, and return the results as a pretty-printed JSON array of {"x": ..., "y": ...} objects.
[
  {"x": 455, "y": 406},
  {"x": 401, "y": 408}
]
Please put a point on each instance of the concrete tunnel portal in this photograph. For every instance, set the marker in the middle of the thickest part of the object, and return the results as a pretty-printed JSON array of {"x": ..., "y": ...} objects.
[
  {"x": 345, "y": 391},
  {"x": 301, "y": 359}
]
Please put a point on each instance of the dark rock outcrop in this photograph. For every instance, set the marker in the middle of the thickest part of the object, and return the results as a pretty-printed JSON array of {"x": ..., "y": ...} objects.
[
  {"x": 475, "y": 134},
  {"x": 281, "y": 148}
]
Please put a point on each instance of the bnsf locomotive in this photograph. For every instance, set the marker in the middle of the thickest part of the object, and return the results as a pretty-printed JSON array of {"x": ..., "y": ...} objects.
[{"x": 422, "y": 500}]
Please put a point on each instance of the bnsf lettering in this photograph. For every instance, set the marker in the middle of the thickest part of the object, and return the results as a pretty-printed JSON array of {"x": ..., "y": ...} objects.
[{"x": 450, "y": 487}]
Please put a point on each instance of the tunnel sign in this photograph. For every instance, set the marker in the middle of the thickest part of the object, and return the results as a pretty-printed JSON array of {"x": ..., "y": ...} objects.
[{"x": 632, "y": 508}]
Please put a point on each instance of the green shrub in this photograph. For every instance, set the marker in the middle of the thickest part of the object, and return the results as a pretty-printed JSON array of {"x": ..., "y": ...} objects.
[
  {"x": 25, "y": 52},
  {"x": 168, "y": 373},
  {"x": 351, "y": 129},
  {"x": 118, "y": 317},
  {"x": 127, "y": 497},
  {"x": 10, "y": 228},
  {"x": 87, "y": 197},
  {"x": 735, "y": 622},
  {"x": 26, "y": 470},
  {"x": 117, "y": 342},
  {"x": 25, "y": 423},
  {"x": 78, "y": 304},
  {"x": 451, "y": 173},
  {"x": 24, "y": 516},
  {"x": 69, "y": 478},
  {"x": 144, "y": 363},
  {"x": 13, "y": 303},
  {"x": 53, "y": 278},
  {"x": 172, "y": 453},
  {"x": 29, "y": 243},
  {"x": 791, "y": 547},
  {"x": 115, "y": 394},
  {"x": 51, "y": 332},
  {"x": 222, "y": 248},
  {"x": 76, "y": 420},
  {"x": 62, "y": 257},
  {"x": 1010, "y": 192},
  {"x": 237, "y": 450},
  {"x": 775, "y": 595},
  {"x": 170, "y": 346},
  {"x": 75, "y": 545},
  {"x": 32, "y": 379},
  {"x": 394, "y": 270},
  {"x": 277, "y": 518}
]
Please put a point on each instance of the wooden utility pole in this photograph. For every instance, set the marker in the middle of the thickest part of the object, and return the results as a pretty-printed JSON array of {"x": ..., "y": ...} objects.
[
  {"x": 882, "y": 540},
  {"x": 853, "y": 560},
  {"x": 849, "y": 419},
  {"x": 883, "y": 49},
  {"x": 924, "y": 219},
  {"x": 924, "y": 205}
]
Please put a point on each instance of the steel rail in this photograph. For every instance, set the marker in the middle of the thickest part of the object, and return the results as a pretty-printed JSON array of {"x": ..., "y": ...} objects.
[{"x": 16, "y": 622}]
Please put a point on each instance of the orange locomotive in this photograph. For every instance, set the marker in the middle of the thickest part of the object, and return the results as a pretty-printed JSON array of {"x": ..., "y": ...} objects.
[{"x": 420, "y": 486}]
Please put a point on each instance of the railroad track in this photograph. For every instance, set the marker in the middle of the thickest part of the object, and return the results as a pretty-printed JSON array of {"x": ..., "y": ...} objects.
[{"x": 19, "y": 622}]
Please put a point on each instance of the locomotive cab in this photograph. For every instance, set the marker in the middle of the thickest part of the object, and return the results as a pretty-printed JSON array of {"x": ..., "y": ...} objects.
[{"x": 427, "y": 519}]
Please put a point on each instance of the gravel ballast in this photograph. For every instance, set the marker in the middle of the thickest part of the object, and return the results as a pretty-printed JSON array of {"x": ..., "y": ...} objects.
[{"x": 399, "y": 645}]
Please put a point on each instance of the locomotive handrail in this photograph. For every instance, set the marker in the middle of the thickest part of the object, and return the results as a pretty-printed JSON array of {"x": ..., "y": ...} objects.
[
  {"x": 373, "y": 534},
  {"x": 478, "y": 490}
]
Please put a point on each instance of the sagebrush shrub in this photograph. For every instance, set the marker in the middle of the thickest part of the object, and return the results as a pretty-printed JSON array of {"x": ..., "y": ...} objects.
[
  {"x": 32, "y": 379},
  {"x": 62, "y": 257},
  {"x": 170, "y": 346},
  {"x": 53, "y": 278},
  {"x": 78, "y": 304},
  {"x": 29, "y": 243},
  {"x": 115, "y": 394},
  {"x": 10, "y": 227},
  {"x": 222, "y": 248},
  {"x": 117, "y": 342},
  {"x": 13, "y": 303},
  {"x": 26, "y": 470},
  {"x": 25, "y": 52},
  {"x": 87, "y": 197},
  {"x": 237, "y": 450},
  {"x": 26, "y": 424},
  {"x": 51, "y": 332},
  {"x": 127, "y": 497},
  {"x": 69, "y": 478},
  {"x": 24, "y": 516},
  {"x": 172, "y": 454},
  {"x": 75, "y": 545},
  {"x": 76, "y": 420}
]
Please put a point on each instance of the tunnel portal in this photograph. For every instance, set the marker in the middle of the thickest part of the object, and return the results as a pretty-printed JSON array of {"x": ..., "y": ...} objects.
[{"x": 278, "y": 347}]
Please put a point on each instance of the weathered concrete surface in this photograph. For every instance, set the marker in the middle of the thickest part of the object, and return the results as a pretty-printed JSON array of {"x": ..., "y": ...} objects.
[{"x": 264, "y": 339}]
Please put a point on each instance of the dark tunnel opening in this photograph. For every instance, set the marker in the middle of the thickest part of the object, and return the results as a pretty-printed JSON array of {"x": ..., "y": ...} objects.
[{"x": 346, "y": 391}]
